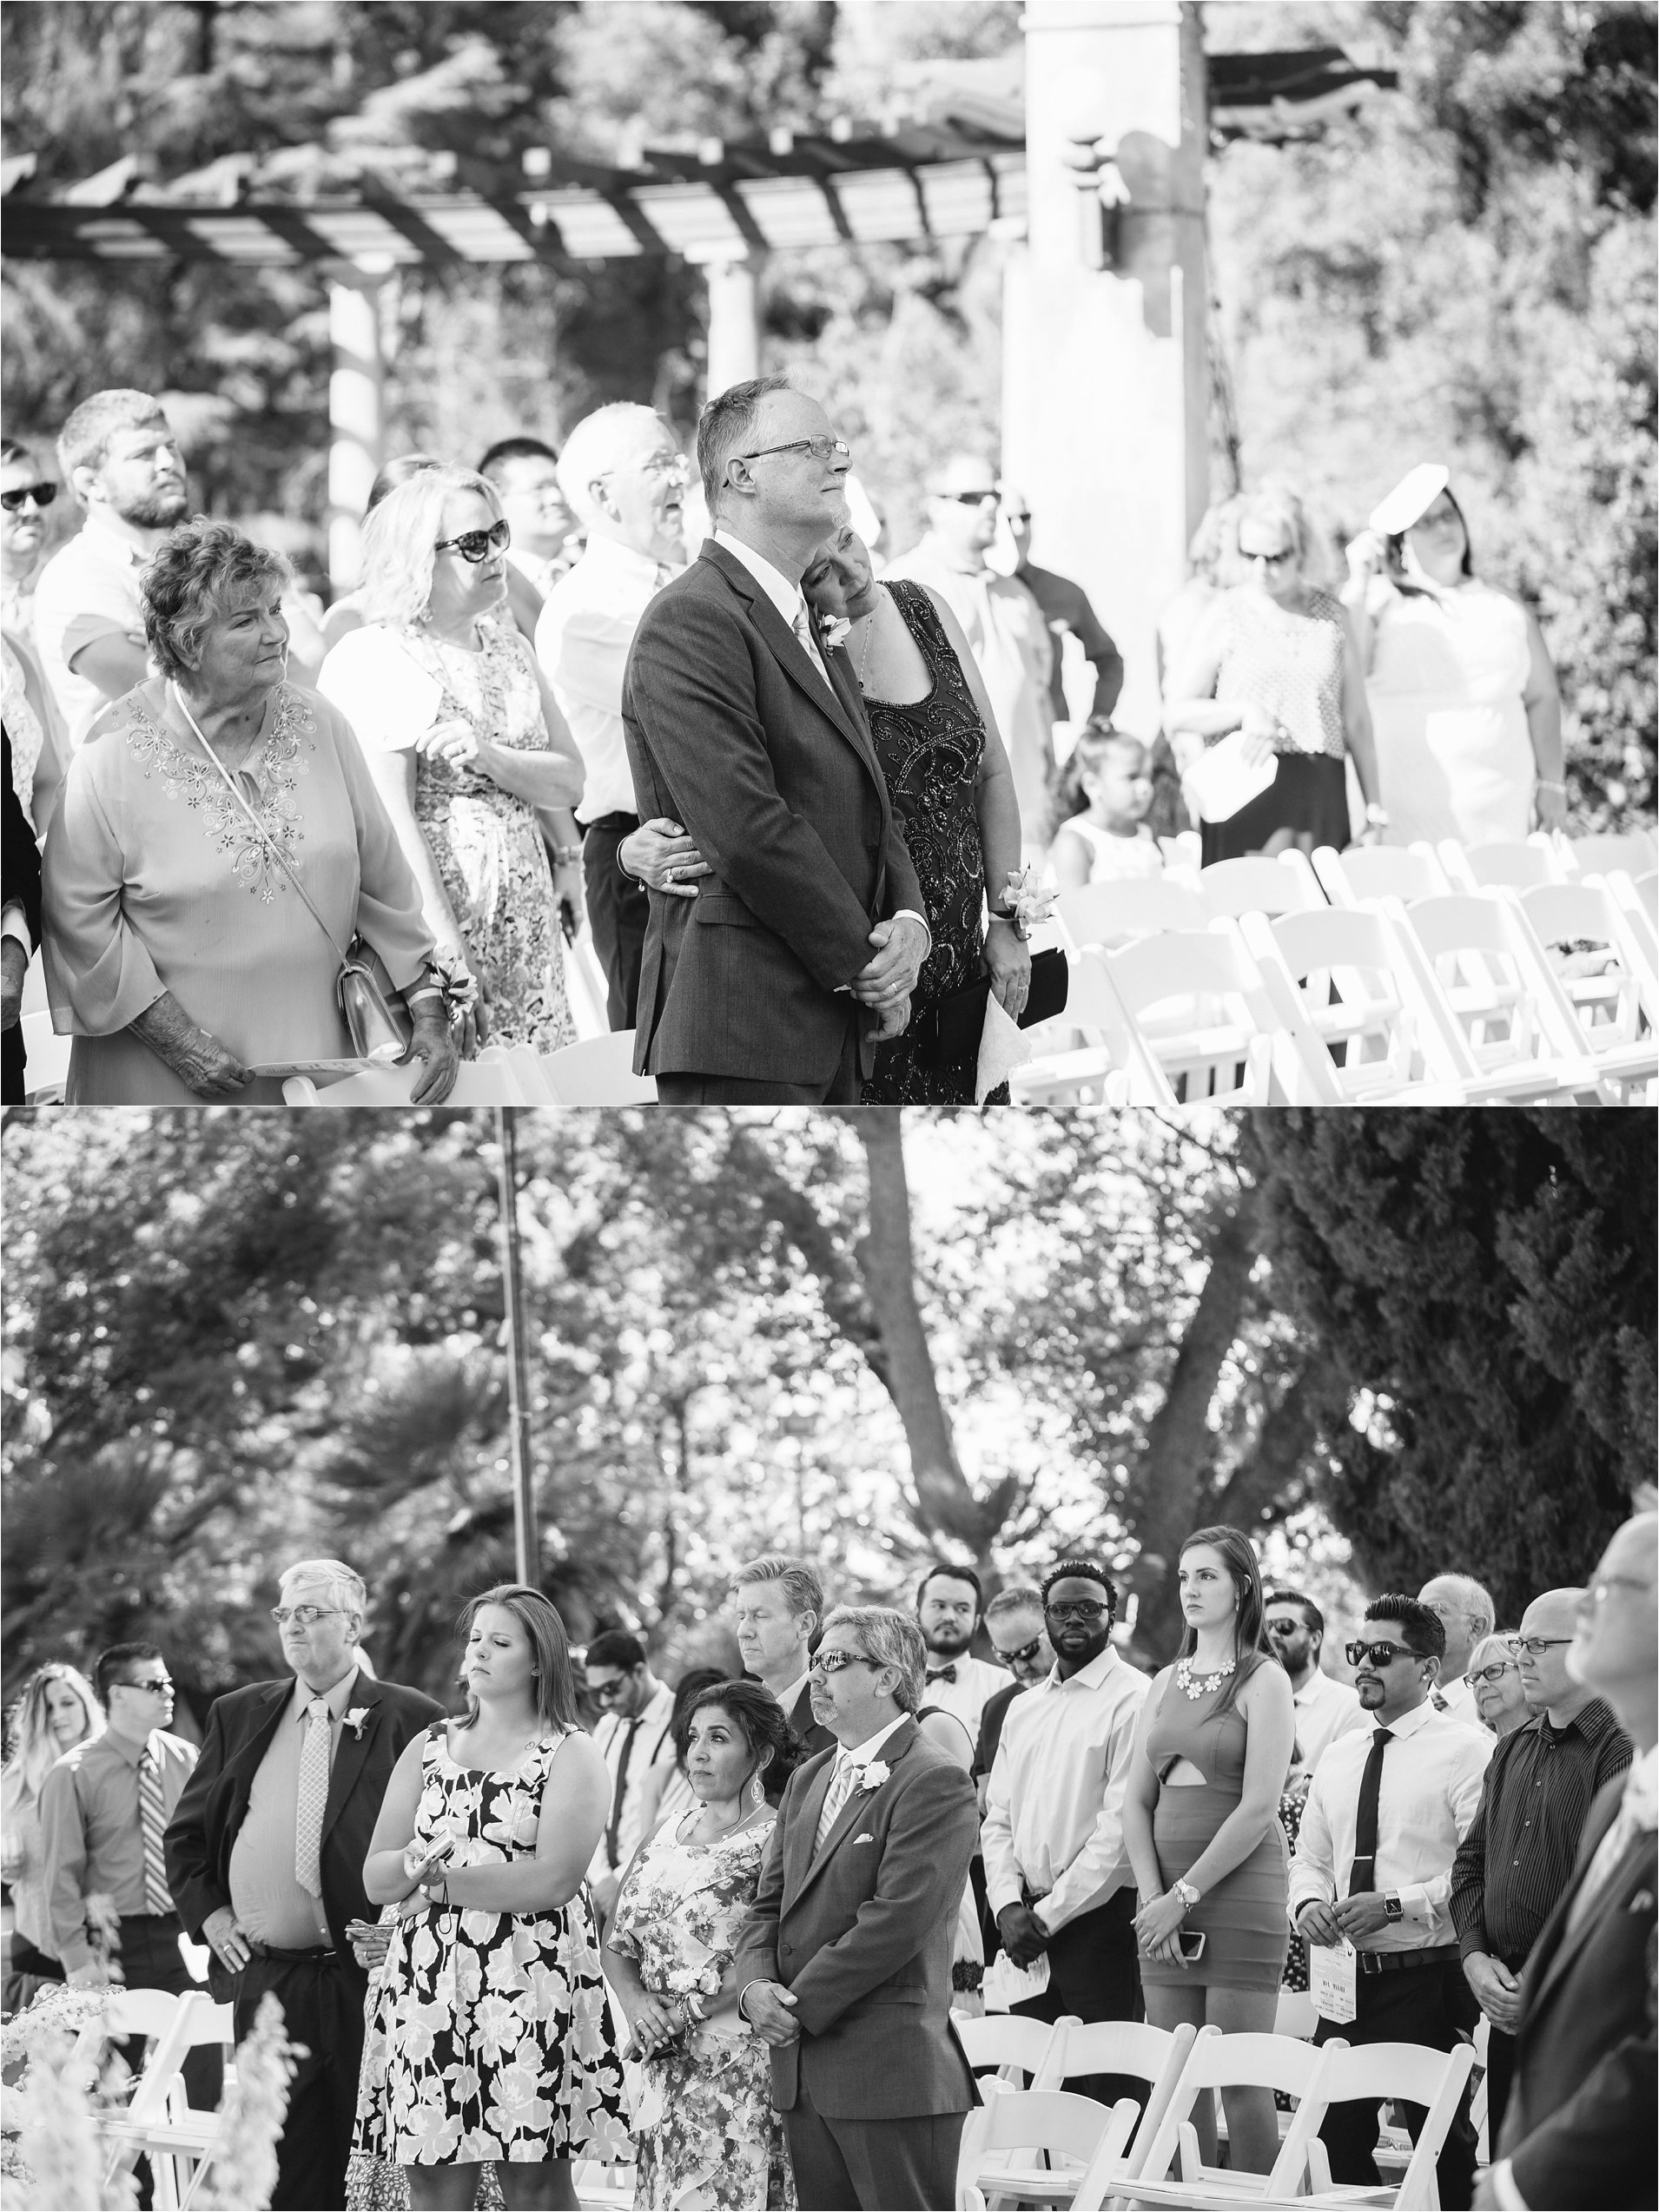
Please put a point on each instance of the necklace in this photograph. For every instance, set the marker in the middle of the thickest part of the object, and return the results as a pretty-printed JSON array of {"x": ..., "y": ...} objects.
[
  {"x": 863, "y": 651},
  {"x": 1198, "y": 1686}
]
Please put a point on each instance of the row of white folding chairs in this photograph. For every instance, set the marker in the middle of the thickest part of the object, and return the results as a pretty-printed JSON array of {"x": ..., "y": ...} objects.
[
  {"x": 1547, "y": 856},
  {"x": 158, "y": 2123},
  {"x": 596, "y": 1072}
]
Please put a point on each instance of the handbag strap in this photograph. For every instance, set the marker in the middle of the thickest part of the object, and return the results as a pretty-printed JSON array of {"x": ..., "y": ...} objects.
[{"x": 271, "y": 845}]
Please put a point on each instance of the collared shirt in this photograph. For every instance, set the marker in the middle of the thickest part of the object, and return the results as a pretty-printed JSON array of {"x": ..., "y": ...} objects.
[
  {"x": 790, "y": 1698},
  {"x": 965, "y": 1699},
  {"x": 1518, "y": 1856},
  {"x": 861, "y": 1754},
  {"x": 92, "y": 1833},
  {"x": 1459, "y": 1699},
  {"x": 1325, "y": 1710},
  {"x": 1053, "y": 1813},
  {"x": 583, "y": 641},
  {"x": 87, "y": 590},
  {"x": 1432, "y": 1773},
  {"x": 1066, "y": 607},
  {"x": 264, "y": 1893},
  {"x": 652, "y": 1746}
]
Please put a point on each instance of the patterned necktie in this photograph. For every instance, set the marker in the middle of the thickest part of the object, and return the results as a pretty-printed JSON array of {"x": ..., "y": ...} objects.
[
  {"x": 152, "y": 1818},
  {"x": 943, "y": 1673},
  {"x": 1364, "y": 1875},
  {"x": 808, "y": 642},
  {"x": 840, "y": 1789},
  {"x": 313, "y": 1796}
]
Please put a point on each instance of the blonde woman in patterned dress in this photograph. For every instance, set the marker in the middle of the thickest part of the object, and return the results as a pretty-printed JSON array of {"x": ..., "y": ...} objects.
[
  {"x": 178, "y": 952},
  {"x": 708, "y": 2139},
  {"x": 1276, "y": 658},
  {"x": 471, "y": 756},
  {"x": 491, "y": 2039}
]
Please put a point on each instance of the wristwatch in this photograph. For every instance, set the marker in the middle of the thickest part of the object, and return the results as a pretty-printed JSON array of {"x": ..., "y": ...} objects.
[
  {"x": 1392, "y": 1906},
  {"x": 1188, "y": 1894}
]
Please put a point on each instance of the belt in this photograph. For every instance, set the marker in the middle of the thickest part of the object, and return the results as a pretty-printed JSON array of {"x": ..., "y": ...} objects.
[
  {"x": 289, "y": 1957},
  {"x": 1389, "y": 1962},
  {"x": 619, "y": 820}
]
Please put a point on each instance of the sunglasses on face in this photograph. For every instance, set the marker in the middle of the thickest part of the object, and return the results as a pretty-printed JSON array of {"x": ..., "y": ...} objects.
[
  {"x": 967, "y": 498},
  {"x": 831, "y": 1662},
  {"x": 821, "y": 449},
  {"x": 40, "y": 495},
  {"x": 158, "y": 1687},
  {"x": 301, "y": 1616},
  {"x": 1268, "y": 560},
  {"x": 476, "y": 546},
  {"x": 1024, "y": 1657},
  {"x": 1379, "y": 1654},
  {"x": 605, "y": 1691},
  {"x": 1017, "y": 514},
  {"x": 1284, "y": 1627}
]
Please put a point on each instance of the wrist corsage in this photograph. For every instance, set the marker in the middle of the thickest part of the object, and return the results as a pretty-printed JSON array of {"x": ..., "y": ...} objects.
[
  {"x": 1026, "y": 900},
  {"x": 455, "y": 979}
]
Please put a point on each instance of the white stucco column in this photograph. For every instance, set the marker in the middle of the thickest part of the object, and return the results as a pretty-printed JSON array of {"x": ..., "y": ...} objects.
[
  {"x": 1105, "y": 387},
  {"x": 356, "y": 387},
  {"x": 734, "y": 322}
]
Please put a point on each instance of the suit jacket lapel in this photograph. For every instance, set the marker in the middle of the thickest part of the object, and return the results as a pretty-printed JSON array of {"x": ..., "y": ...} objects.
[
  {"x": 857, "y": 1801},
  {"x": 792, "y": 657},
  {"x": 1616, "y": 1893},
  {"x": 802, "y": 1829},
  {"x": 352, "y": 1750}
]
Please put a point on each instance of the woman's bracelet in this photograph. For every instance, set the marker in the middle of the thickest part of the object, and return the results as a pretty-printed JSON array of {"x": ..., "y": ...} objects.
[{"x": 566, "y": 855}]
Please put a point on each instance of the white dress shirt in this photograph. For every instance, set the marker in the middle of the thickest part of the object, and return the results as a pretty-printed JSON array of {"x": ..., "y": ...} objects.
[
  {"x": 1430, "y": 1792},
  {"x": 1053, "y": 1813},
  {"x": 1459, "y": 1695},
  {"x": 582, "y": 640},
  {"x": 977, "y": 1682},
  {"x": 88, "y": 589},
  {"x": 1325, "y": 1710},
  {"x": 653, "y": 1749}
]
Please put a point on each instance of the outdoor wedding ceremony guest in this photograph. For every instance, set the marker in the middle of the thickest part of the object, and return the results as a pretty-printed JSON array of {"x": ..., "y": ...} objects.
[
  {"x": 1580, "y": 2128},
  {"x": 266, "y": 1848},
  {"x": 1518, "y": 1857},
  {"x": 777, "y": 1605},
  {"x": 1212, "y": 568},
  {"x": 20, "y": 922},
  {"x": 1067, "y": 610},
  {"x": 122, "y": 464},
  {"x": 1384, "y": 1816},
  {"x": 952, "y": 796},
  {"x": 525, "y": 471},
  {"x": 1016, "y": 1630},
  {"x": 467, "y": 748},
  {"x": 706, "y": 2131},
  {"x": 179, "y": 949},
  {"x": 1326, "y": 1708},
  {"x": 26, "y": 491},
  {"x": 1056, "y": 1878},
  {"x": 1466, "y": 1612},
  {"x": 491, "y": 2037},
  {"x": 56, "y": 1710},
  {"x": 35, "y": 731},
  {"x": 624, "y": 475},
  {"x": 636, "y": 1741},
  {"x": 1275, "y": 658},
  {"x": 667, "y": 1793},
  {"x": 1494, "y": 1674},
  {"x": 843, "y": 1964},
  {"x": 104, "y": 1808},
  {"x": 1463, "y": 697},
  {"x": 801, "y": 950},
  {"x": 1004, "y": 627},
  {"x": 1101, "y": 801},
  {"x": 949, "y": 1601},
  {"x": 344, "y": 614},
  {"x": 1200, "y": 1820}
]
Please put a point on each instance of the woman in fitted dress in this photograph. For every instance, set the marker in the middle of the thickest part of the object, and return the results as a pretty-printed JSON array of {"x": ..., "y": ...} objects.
[{"x": 1200, "y": 1821}]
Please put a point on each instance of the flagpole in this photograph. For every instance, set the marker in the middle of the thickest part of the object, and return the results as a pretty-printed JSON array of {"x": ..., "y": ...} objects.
[{"x": 526, "y": 1541}]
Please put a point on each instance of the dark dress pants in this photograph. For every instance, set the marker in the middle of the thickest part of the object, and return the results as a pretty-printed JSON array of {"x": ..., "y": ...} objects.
[
  {"x": 617, "y": 910},
  {"x": 844, "y": 1087},
  {"x": 873, "y": 2165},
  {"x": 1095, "y": 1972},
  {"x": 1432, "y": 2005},
  {"x": 13, "y": 1080},
  {"x": 1500, "y": 2077},
  {"x": 321, "y": 1994}
]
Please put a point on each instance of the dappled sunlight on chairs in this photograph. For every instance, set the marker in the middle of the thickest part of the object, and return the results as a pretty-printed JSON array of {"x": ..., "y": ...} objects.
[
  {"x": 1009, "y": 2143},
  {"x": 1364, "y": 872},
  {"x": 487, "y": 1080}
]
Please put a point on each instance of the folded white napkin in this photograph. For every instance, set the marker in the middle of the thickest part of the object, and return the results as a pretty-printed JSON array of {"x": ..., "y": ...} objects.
[{"x": 1002, "y": 1047}]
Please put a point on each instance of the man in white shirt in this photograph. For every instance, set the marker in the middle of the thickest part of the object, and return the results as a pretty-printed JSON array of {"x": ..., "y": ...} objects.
[
  {"x": 1385, "y": 1815},
  {"x": 948, "y": 1605},
  {"x": 1005, "y": 626},
  {"x": 1467, "y": 1613},
  {"x": 1056, "y": 1872},
  {"x": 776, "y": 1603},
  {"x": 1325, "y": 1708},
  {"x": 636, "y": 1739},
  {"x": 623, "y": 476},
  {"x": 122, "y": 463}
]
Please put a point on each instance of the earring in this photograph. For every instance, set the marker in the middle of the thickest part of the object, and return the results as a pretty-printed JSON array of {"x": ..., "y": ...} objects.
[{"x": 756, "y": 1794}]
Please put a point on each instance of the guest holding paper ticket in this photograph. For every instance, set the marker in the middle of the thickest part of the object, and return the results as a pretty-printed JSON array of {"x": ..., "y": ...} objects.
[
  {"x": 1370, "y": 1882},
  {"x": 1276, "y": 660}
]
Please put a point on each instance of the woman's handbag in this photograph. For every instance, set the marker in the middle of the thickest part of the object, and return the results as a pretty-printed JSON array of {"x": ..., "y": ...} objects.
[
  {"x": 380, "y": 1026},
  {"x": 948, "y": 1035}
]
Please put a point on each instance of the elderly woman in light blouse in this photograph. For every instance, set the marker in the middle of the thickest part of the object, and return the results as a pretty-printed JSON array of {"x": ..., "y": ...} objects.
[{"x": 179, "y": 949}]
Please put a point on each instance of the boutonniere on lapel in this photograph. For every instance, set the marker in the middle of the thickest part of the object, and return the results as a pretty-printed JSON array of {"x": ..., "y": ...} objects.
[
  {"x": 836, "y": 630},
  {"x": 355, "y": 1718},
  {"x": 872, "y": 1777}
]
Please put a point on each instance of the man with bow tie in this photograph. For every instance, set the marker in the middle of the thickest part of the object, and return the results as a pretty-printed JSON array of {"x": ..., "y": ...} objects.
[
  {"x": 843, "y": 1964},
  {"x": 949, "y": 1602},
  {"x": 265, "y": 1856}
]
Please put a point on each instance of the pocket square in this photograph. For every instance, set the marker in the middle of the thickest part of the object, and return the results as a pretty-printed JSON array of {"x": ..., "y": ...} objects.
[{"x": 858, "y": 1840}]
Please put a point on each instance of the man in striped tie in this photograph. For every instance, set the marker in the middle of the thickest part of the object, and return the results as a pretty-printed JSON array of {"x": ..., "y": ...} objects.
[{"x": 103, "y": 1808}]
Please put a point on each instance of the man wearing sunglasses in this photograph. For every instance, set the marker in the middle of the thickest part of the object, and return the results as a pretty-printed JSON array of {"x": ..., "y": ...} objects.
[
  {"x": 1326, "y": 1708},
  {"x": 1018, "y": 1633},
  {"x": 746, "y": 727},
  {"x": 1387, "y": 1808},
  {"x": 635, "y": 1738}
]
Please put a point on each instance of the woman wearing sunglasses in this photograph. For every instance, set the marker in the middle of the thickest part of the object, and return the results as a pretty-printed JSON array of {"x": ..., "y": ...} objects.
[
  {"x": 1275, "y": 660},
  {"x": 470, "y": 755}
]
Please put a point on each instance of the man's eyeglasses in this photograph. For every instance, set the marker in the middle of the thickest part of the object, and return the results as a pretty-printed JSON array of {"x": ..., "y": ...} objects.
[
  {"x": 158, "y": 1686},
  {"x": 1024, "y": 1657},
  {"x": 301, "y": 1616},
  {"x": 1380, "y": 1655},
  {"x": 1495, "y": 1673},
  {"x": 42, "y": 495},
  {"x": 1269, "y": 560},
  {"x": 476, "y": 546},
  {"x": 821, "y": 449},
  {"x": 831, "y": 1662},
  {"x": 1082, "y": 1609},
  {"x": 1533, "y": 1645},
  {"x": 968, "y": 498}
]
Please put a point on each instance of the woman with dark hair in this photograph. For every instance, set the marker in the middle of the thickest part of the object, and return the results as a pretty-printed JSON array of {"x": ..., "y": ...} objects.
[
  {"x": 491, "y": 2038},
  {"x": 705, "y": 2128},
  {"x": 1200, "y": 1822},
  {"x": 1463, "y": 692},
  {"x": 666, "y": 1794}
]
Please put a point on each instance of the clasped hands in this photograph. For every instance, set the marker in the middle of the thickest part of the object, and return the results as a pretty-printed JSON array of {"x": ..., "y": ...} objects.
[
  {"x": 1352, "y": 1917},
  {"x": 770, "y": 2009},
  {"x": 886, "y": 984},
  {"x": 1158, "y": 1926}
]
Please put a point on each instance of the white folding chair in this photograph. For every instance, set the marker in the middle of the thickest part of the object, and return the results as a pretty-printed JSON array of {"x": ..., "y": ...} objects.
[
  {"x": 1259, "y": 883},
  {"x": 160, "y": 2124},
  {"x": 1603, "y": 965},
  {"x": 1186, "y": 1017},
  {"x": 48, "y": 1054},
  {"x": 1405, "y": 872},
  {"x": 1173, "y": 2173},
  {"x": 1025, "y": 2053},
  {"x": 1405, "y": 2073},
  {"x": 1647, "y": 890},
  {"x": 603, "y": 2189},
  {"x": 1483, "y": 868},
  {"x": 1040, "y": 2125},
  {"x": 1632, "y": 852},
  {"x": 598, "y": 1071},
  {"x": 1112, "y": 914},
  {"x": 1480, "y": 2102},
  {"x": 487, "y": 1080},
  {"x": 1157, "y": 2056}
]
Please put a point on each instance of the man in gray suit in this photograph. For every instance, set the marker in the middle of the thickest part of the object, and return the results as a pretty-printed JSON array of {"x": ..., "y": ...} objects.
[
  {"x": 845, "y": 1962},
  {"x": 772, "y": 984}
]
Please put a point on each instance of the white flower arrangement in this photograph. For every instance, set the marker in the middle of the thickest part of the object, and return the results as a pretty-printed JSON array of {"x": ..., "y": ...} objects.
[
  {"x": 1026, "y": 900},
  {"x": 355, "y": 1718},
  {"x": 873, "y": 1776}
]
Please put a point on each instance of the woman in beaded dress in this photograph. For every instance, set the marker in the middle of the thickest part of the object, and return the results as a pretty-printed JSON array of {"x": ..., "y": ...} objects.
[
  {"x": 952, "y": 789},
  {"x": 1201, "y": 1822}
]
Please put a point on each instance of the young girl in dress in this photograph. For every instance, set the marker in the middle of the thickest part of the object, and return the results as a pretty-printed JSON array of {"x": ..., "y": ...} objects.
[{"x": 1103, "y": 797}]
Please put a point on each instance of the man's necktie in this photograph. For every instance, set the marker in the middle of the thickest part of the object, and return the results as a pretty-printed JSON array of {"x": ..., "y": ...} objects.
[
  {"x": 943, "y": 1673},
  {"x": 313, "y": 1796},
  {"x": 152, "y": 1818},
  {"x": 613, "y": 1831},
  {"x": 1370, "y": 1786},
  {"x": 840, "y": 1789},
  {"x": 809, "y": 644}
]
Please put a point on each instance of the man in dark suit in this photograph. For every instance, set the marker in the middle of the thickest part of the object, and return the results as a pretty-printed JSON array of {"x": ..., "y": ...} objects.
[
  {"x": 800, "y": 951},
  {"x": 843, "y": 1964},
  {"x": 1581, "y": 2121},
  {"x": 265, "y": 1856},
  {"x": 20, "y": 900},
  {"x": 776, "y": 1604}
]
